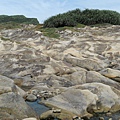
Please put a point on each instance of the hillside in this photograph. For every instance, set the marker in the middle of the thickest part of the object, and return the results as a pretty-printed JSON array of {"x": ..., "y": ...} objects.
[{"x": 18, "y": 19}]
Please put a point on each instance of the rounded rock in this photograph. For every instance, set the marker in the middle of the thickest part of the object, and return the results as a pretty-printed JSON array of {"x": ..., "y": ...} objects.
[
  {"x": 31, "y": 98},
  {"x": 29, "y": 119}
]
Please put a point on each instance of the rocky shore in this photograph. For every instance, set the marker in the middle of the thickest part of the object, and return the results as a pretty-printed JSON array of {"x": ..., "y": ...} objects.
[{"x": 79, "y": 73}]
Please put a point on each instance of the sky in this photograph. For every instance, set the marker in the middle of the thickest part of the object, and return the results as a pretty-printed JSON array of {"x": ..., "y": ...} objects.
[{"x": 43, "y": 9}]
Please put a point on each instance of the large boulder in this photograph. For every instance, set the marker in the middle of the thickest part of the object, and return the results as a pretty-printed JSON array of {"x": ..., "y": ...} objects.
[
  {"x": 7, "y": 85},
  {"x": 12, "y": 104},
  {"x": 108, "y": 97},
  {"x": 74, "y": 100},
  {"x": 6, "y": 82},
  {"x": 88, "y": 98}
]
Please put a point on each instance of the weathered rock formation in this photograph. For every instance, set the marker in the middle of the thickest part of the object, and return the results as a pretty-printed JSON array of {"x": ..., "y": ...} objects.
[
  {"x": 79, "y": 72},
  {"x": 12, "y": 104}
]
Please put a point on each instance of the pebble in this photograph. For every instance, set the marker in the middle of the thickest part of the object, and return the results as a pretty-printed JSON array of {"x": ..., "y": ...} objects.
[
  {"x": 101, "y": 118},
  {"x": 29, "y": 119},
  {"x": 109, "y": 114}
]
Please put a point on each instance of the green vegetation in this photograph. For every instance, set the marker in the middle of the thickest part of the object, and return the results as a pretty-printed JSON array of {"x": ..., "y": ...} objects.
[
  {"x": 54, "y": 32},
  {"x": 9, "y": 25},
  {"x": 61, "y": 20},
  {"x": 18, "y": 19},
  {"x": 5, "y": 39},
  {"x": 86, "y": 17},
  {"x": 50, "y": 32},
  {"x": 80, "y": 25}
]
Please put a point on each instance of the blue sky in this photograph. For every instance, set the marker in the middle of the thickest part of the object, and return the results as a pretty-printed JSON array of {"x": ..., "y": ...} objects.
[{"x": 43, "y": 9}]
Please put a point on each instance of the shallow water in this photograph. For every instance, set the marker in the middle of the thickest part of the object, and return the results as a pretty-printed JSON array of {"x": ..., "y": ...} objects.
[{"x": 38, "y": 108}]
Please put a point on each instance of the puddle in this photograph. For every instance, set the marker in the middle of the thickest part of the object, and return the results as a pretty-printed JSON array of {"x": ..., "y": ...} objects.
[{"x": 38, "y": 108}]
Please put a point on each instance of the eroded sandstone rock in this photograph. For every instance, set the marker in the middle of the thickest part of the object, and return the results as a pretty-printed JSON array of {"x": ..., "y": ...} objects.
[
  {"x": 12, "y": 105},
  {"x": 88, "y": 98},
  {"x": 111, "y": 73},
  {"x": 88, "y": 57}
]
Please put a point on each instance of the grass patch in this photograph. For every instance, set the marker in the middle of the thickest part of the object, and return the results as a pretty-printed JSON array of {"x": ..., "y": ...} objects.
[
  {"x": 54, "y": 32},
  {"x": 9, "y": 25},
  {"x": 101, "y": 25},
  {"x": 5, "y": 39},
  {"x": 64, "y": 28},
  {"x": 80, "y": 25},
  {"x": 48, "y": 32}
]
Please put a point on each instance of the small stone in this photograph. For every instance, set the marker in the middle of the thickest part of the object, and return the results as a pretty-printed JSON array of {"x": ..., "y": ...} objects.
[
  {"x": 57, "y": 111},
  {"x": 101, "y": 118},
  {"x": 109, "y": 114},
  {"x": 31, "y": 97},
  {"x": 110, "y": 118},
  {"x": 29, "y": 119}
]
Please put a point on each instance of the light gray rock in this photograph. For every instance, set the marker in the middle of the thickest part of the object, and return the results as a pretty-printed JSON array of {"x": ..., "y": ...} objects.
[
  {"x": 29, "y": 119},
  {"x": 89, "y": 64},
  {"x": 82, "y": 76},
  {"x": 14, "y": 105},
  {"x": 111, "y": 73},
  {"x": 20, "y": 91},
  {"x": 6, "y": 82},
  {"x": 93, "y": 76},
  {"x": 74, "y": 100},
  {"x": 89, "y": 97},
  {"x": 31, "y": 97},
  {"x": 78, "y": 77},
  {"x": 5, "y": 89},
  {"x": 108, "y": 97},
  {"x": 7, "y": 85}
]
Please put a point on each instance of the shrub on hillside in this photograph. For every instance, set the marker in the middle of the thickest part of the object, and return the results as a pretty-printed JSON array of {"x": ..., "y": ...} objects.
[
  {"x": 90, "y": 17},
  {"x": 86, "y": 17},
  {"x": 60, "y": 21}
]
